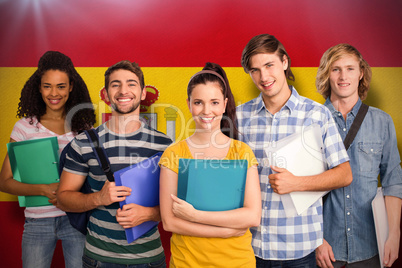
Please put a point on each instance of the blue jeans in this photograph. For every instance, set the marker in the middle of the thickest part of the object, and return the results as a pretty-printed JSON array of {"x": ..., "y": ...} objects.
[
  {"x": 88, "y": 262},
  {"x": 39, "y": 241},
  {"x": 305, "y": 262}
]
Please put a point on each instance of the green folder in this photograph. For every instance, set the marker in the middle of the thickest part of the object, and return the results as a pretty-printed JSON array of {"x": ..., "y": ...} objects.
[
  {"x": 34, "y": 162},
  {"x": 212, "y": 185}
]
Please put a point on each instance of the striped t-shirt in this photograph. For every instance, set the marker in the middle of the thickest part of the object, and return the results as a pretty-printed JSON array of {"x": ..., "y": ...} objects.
[
  {"x": 106, "y": 239},
  {"x": 24, "y": 130}
]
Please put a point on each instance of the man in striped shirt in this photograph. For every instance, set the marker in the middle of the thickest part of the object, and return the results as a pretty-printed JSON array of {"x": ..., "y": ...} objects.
[
  {"x": 127, "y": 141},
  {"x": 278, "y": 112}
]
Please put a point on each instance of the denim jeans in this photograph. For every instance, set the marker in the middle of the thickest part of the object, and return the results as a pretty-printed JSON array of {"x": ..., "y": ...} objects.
[
  {"x": 88, "y": 262},
  {"x": 305, "y": 262},
  {"x": 39, "y": 241}
]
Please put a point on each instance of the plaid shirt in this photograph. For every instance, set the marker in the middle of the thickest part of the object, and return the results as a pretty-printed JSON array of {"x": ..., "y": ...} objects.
[{"x": 279, "y": 237}]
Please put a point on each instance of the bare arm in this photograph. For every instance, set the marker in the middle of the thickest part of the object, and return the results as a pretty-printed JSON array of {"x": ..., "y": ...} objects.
[
  {"x": 71, "y": 199},
  {"x": 168, "y": 187},
  {"x": 284, "y": 182},
  {"x": 9, "y": 185},
  {"x": 393, "y": 205},
  {"x": 247, "y": 216}
]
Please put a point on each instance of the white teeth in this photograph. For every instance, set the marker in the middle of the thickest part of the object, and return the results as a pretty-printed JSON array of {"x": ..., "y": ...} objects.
[
  {"x": 124, "y": 100},
  {"x": 206, "y": 118},
  {"x": 54, "y": 101},
  {"x": 268, "y": 84}
]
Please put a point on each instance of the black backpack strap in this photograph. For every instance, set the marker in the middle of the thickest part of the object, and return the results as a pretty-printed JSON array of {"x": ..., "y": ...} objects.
[
  {"x": 100, "y": 153},
  {"x": 354, "y": 128}
]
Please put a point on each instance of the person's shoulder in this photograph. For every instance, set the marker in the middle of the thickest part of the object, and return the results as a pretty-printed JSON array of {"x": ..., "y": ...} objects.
[
  {"x": 81, "y": 139},
  {"x": 309, "y": 104},
  {"x": 240, "y": 146},
  {"x": 378, "y": 112},
  {"x": 308, "y": 101},
  {"x": 379, "y": 115},
  {"x": 27, "y": 122},
  {"x": 26, "y": 129},
  {"x": 160, "y": 136},
  {"x": 176, "y": 148}
]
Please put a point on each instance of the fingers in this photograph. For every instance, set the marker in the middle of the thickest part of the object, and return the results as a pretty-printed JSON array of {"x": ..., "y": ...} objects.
[
  {"x": 278, "y": 169},
  {"x": 175, "y": 198},
  {"x": 332, "y": 257},
  {"x": 324, "y": 263},
  {"x": 111, "y": 193},
  {"x": 389, "y": 258}
]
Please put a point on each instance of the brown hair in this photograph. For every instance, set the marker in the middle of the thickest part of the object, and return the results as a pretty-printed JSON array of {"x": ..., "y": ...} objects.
[
  {"x": 125, "y": 65},
  {"x": 327, "y": 60},
  {"x": 262, "y": 44},
  {"x": 216, "y": 74}
]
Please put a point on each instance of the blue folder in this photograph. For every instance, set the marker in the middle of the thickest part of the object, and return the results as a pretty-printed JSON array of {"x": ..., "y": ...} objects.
[
  {"x": 212, "y": 185},
  {"x": 143, "y": 179},
  {"x": 34, "y": 162}
]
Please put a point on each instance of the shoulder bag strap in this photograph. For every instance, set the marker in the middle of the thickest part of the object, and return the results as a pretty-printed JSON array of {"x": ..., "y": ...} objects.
[
  {"x": 355, "y": 126},
  {"x": 100, "y": 153}
]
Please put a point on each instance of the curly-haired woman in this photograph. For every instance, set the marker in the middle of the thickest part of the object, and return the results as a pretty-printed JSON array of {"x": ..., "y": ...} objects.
[{"x": 54, "y": 102}]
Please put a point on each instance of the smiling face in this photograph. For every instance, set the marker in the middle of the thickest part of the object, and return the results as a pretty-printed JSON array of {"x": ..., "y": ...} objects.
[
  {"x": 344, "y": 78},
  {"x": 55, "y": 89},
  {"x": 207, "y": 106},
  {"x": 268, "y": 73},
  {"x": 124, "y": 92}
]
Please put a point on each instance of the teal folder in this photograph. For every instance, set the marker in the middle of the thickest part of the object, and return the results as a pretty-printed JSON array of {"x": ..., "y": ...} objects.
[
  {"x": 34, "y": 162},
  {"x": 212, "y": 185}
]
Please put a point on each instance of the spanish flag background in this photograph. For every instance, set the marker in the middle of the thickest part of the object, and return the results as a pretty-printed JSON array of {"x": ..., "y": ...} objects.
[{"x": 171, "y": 40}]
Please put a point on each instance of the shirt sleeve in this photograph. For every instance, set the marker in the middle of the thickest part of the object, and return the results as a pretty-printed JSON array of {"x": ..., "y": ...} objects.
[
  {"x": 334, "y": 149},
  {"x": 18, "y": 133},
  {"x": 75, "y": 163},
  {"x": 390, "y": 168},
  {"x": 170, "y": 159},
  {"x": 248, "y": 154}
]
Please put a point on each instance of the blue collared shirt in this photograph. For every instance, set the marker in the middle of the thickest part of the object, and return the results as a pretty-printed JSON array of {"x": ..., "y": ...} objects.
[
  {"x": 279, "y": 237},
  {"x": 348, "y": 210}
]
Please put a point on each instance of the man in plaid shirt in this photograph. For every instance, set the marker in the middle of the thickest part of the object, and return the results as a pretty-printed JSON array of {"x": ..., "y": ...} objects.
[{"x": 276, "y": 113}]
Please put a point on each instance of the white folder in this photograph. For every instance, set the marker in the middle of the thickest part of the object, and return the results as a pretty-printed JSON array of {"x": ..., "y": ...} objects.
[
  {"x": 302, "y": 154},
  {"x": 380, "y": 222}
]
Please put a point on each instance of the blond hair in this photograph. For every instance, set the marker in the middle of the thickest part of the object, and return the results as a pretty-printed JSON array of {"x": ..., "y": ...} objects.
[{"x": 329, "y": 57}]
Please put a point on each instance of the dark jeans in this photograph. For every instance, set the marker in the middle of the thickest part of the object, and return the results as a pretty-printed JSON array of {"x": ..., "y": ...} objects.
[
  {"x": 370, "y": 263},
  {"x": 305, "y": 262},
  {"x": 88, "y": 262}
]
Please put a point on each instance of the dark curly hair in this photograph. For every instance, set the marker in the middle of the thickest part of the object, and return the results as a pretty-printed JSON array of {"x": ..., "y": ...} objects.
[
  {"x": 229, "y": 119},
  {"x": 79, "y": 111}
]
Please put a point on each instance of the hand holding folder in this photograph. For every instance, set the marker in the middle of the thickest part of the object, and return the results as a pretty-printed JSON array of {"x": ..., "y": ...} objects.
[
  {"x": 34, "y": 162},
  {"x": 212, "y": 185},
  {"x": 303, "y": 155},
  {"x": 143, "y": 179}
]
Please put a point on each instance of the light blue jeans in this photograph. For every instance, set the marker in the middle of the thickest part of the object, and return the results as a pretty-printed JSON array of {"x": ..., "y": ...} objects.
[{"x": 39, "y": 241}]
